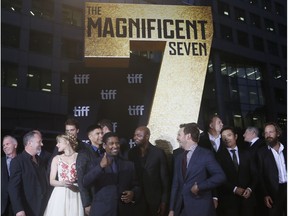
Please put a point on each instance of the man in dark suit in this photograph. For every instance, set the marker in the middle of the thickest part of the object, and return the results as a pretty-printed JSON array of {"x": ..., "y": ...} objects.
[
  {"x": 273, "y": 171},
  {"x": 28, "y": 183},
  {"x": 10, "y": 149},
  {"x": 211, "y": 137},
  {"x": 152, "y": 171},
  {"x": 253, "y": 144},
  {"x": 114, "y": 181},
  {"x": 236, "y": 196},
  {"x": 196, "y": 173},
  {"x": 84, "y": 158}
]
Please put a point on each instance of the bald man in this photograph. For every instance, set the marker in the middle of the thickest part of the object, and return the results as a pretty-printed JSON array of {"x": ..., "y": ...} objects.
[
  {"x": 9, "y": 145},
  {"x": 152, "y": 170}
]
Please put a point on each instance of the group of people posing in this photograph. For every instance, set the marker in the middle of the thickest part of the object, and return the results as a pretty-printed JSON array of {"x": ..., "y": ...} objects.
[{"x": 210, "y": 173}]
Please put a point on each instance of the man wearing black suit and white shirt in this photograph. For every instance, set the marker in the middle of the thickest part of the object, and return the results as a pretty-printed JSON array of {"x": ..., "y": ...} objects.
[
  {"x": 273, "y": 171},
  {"x": 236, "y": 195},
  {"x": 254, "y": 143},
  {"x": 28, "y": 183}
]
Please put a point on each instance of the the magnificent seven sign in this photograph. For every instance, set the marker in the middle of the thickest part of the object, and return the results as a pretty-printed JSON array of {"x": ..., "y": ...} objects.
[{"x": 183, "y": 33}]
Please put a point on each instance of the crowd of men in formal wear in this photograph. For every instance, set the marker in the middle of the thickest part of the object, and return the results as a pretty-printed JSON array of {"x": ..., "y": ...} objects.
[{"x": 212, "y": 173}]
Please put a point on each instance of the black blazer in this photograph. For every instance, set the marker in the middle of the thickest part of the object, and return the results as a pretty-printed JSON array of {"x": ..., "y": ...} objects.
[
  {"x": 206, "y": 143},
  {"x": 245, "y": 177},
  {"x": 268, "y": 171},
  {"x": 85, "y": 156},
  {"x": 4, "y": 185},
  {"x": 152, "y": 172},
  {"x": 28, "y": 185}
]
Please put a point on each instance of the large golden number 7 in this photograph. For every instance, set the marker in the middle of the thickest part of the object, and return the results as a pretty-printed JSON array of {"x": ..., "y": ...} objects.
[{"x": 183, "y": 33}]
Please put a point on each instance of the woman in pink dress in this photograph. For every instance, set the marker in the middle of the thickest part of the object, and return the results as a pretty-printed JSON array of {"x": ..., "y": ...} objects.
[{"x": 65, "y": 199}]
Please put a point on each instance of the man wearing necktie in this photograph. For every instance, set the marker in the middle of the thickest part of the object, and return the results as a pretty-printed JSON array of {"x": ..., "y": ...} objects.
[
  {"x": 196, "y": 174},
  {"x": 9, "y": 145},
  {"x": 236, "y": 196}
]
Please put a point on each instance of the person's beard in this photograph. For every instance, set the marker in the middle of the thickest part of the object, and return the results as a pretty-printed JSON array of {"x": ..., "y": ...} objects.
[{"x": 271, "y": 141}]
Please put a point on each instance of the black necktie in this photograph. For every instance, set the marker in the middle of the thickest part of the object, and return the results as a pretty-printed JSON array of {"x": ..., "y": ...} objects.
[
  {"x": 184, "y": 164},
  {"x": 234, "y": 158}
]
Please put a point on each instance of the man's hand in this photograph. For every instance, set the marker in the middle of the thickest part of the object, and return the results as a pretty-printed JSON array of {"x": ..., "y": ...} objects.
[
  {"x": 268, "y": 201},
  {"x": 171, "y": 213},
  {"x": 127, "y": 196},
  {"x": 161, "y": 209},
  {"x": 239, "y": 191},
  {"x": 105, "y": 161},
  {"x": 21, "y": 213},
  {"x": 247, "y": 193},
  {"x": 195, "y": 189},
  {"x": 87, "y": 210}
]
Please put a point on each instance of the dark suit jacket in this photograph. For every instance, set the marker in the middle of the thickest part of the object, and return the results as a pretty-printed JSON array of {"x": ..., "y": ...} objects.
[
  {"x": 206, "y": 143},
  {"x": 152, "y": 172},
  {"x": 203, "y": 169},
  {"x": 85, "y": 157},
  {"x": 4, "y": 185},
  {"x": 45, "y": 156},
  {"x": 269, "y": 172},
  {"x": 28, "y": 185},
  {"x": 108, "y": 188},
  {"x": 245, "y": 177}
]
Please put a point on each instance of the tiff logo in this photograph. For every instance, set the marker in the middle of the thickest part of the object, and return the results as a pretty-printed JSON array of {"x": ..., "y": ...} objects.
[
  {"x": 81, "y": 111},
  {"x": 136, "y": 110},
  {"x": 81, "y": 78},
  {"x": 114, "y": 126},
  {"x": 131, "y": 143},
  {"x": 108, "y": 94},
  {"x": 134, "y": 78}
]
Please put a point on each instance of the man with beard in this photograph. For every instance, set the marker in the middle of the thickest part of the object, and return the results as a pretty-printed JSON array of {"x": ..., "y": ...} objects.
[
  {"x": 152, "y": 171},
  {"x": 273, "y": 171}
]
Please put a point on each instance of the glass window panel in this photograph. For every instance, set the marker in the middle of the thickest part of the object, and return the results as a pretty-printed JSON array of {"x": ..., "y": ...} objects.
[
  {"x": 9, "y": 74},
  {"x": 243, "y": 93},
  {"x": 266, "y": 5},
  {"x": 253, "y": 2},
  {"x": 232, "y": 71},
  {"x": 280, "y": 9},
  {"x": 71, "y": 15},
  {"x": 250, "y": 72},
  {"x": 64, "y": 84},
  {"x": 269, "y": 25},
  {"x": 41, "y": 42},
  {"x": 39, "y": 79},
  {"x": 255, "y": 20},
  {"x": 258, "y": 74},
  {"x": 223, "y": 69},
  {"x": 71, "y": 49},
  {"x": 253, "y": 95},
  {"x": 224, "y": 9},
  {"x": 240, "y": 15},
  {"x": 272, "y": 48},
  {"x": 243, "y": 38},
  {"x": 261, "y": 97},
  {"x": 226, "y": 33},
  {"x": 258, "y": 43},
  {"x": 10, "y": 35},
  {"x": 284, "y": 51},
  {"x": 42, "y": 8},
  {"x": 282, "y": 30},
  {"x": 12, "y": 5},
  {"x": 241, "y": 72}
]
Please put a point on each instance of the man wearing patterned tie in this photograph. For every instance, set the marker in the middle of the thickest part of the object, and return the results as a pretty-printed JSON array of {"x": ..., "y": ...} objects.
[
  {"x": 236, "y": 196},
  {"x": 9, "y": 145},
  {"x": 196, "y": 174}
]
